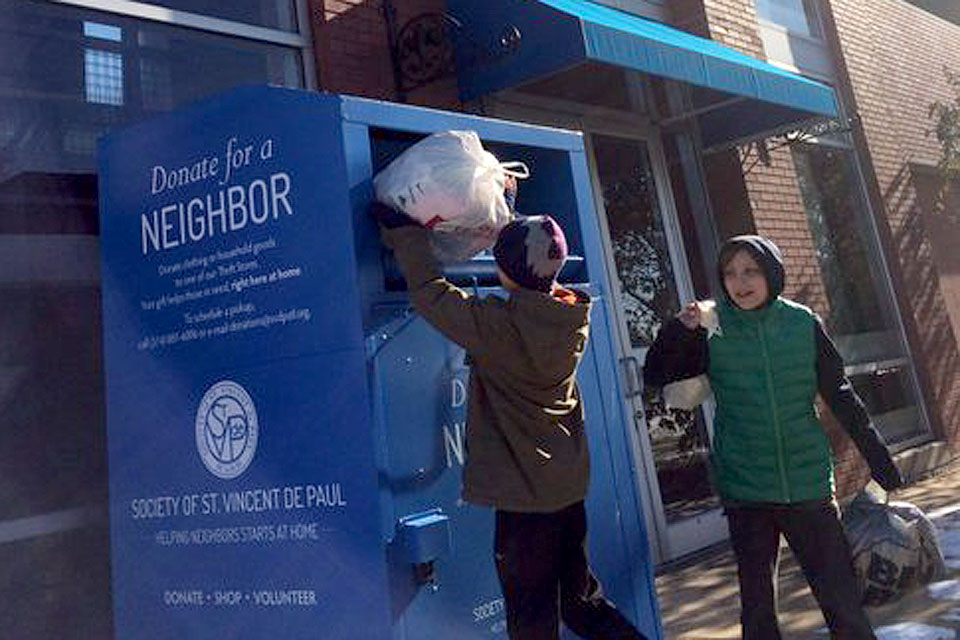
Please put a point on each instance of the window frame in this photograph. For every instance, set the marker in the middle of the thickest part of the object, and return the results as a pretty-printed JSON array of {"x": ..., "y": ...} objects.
[{"x": 300, "y": 39}]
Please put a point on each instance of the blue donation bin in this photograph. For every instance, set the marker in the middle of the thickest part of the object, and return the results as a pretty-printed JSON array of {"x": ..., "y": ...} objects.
[{"x": 286, "y": 435}]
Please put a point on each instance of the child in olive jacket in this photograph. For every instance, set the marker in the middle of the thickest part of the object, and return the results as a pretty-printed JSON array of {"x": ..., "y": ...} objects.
[
  {"x": 527, "y": 451},
  {"x": 771, "y": 459}
]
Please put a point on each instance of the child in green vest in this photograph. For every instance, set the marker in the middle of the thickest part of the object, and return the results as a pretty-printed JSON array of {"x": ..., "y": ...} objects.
[{"x": 771, "y": 459}]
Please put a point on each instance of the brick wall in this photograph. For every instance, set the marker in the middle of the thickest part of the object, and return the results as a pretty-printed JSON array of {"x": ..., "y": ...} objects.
[
  {"x": 353, "y": 55},
  {"x": 894, "y": 54}
]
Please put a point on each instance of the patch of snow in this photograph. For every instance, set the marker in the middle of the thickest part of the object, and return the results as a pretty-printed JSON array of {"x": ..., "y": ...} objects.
[
  {"x": 914, "y": 631},
  {"x": 949, "y": 540},
  {"x": 951, "y": 616},
  {"x": 945, "y": 590}
]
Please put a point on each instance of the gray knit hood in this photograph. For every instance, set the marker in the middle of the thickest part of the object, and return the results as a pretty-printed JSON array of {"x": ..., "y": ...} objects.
[{"x": 767, "y": 255}]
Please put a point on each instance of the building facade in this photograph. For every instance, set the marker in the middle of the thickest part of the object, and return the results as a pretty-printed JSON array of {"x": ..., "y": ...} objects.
[
  {"x": 866, "y": 220},
  {"x": 857, "y": 205}
]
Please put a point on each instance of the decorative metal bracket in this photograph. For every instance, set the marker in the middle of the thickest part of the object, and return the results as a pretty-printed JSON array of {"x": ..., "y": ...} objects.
[
  {"x": 423, "y": 52},
  {"x": 758, "y": 151}
]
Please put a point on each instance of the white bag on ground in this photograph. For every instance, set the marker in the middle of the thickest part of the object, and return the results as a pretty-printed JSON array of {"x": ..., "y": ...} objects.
[
  {"x": 448, "y": 183},
  {"x": 894, "y": 547}
]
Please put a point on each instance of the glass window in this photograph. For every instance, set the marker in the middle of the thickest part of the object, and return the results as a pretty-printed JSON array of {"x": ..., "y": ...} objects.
[
  {"x": 649, "y": 297},
  {"x": 103, "y": 76},
  {"x": 274, "y": 14},
  {"x": 796, "y": 16},
  {"x": 637, "y": 235},
  {"x": 832, "y": 209},
  {"x": 67, "y": 75},
  {"x": 887, "y": 394},
  {"x": 862, "y": 318}
]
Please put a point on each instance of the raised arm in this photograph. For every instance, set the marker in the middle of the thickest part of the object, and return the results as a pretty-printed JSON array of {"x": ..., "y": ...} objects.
[
  {"x": 451, "y": 310},
  {"x": 678, "y": 352}
]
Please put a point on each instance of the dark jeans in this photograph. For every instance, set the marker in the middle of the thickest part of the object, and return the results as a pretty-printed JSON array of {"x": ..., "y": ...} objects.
[
  {"x": 542, "y": 563},
  {"x": 815, "y": 535}
]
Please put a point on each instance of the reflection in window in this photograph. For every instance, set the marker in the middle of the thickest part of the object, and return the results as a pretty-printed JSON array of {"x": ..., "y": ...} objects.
[
  {"x": 648, "y": 297},
  {"x": 103, "y": 69},
  {"x": 886, "y": 394},
  {"x": 103, "y": 31},
  {"x": 156, "y": 88},
  {"x": 81, "y": 140},
  {"x": 861, "y": 318},
  {"x": 832, "y": 204},
  {"x": 273, "y": 14},
  {"x": 65, "y": 72},
  {"x": 8, "y": 130},
  {"x": 639, "y": 241},
  {"x": 796, "y": 16},
  {"x": 103, "y": 76},
  {"x": 68, "y": 75}
]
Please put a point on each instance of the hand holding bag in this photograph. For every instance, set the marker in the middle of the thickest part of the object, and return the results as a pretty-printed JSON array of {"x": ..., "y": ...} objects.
[{"x": 451, "y": 185}]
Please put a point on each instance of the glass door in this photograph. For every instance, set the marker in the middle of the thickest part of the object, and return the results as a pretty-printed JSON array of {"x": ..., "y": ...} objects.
[{"x": 649, "y": 280}]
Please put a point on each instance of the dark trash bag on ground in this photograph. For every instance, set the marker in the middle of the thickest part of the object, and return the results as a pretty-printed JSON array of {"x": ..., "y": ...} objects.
[{"x": 894, "y": 547}]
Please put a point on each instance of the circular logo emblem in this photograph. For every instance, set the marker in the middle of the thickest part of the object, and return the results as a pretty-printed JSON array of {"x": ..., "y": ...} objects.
[{"x": 226, "y": 429}]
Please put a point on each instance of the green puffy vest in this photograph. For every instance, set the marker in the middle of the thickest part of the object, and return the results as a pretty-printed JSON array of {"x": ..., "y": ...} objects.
[{"x": 769, "y": 445}]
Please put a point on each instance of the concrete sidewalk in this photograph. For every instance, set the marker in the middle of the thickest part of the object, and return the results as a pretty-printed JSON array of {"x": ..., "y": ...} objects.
[{"x": 700, "y": 600}]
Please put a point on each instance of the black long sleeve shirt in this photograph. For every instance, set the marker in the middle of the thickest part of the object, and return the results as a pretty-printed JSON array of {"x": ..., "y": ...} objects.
[{"x": 679, "y": 353}]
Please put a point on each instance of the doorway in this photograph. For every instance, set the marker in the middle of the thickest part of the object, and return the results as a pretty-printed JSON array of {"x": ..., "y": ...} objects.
[{"x": 649, "y": 280}]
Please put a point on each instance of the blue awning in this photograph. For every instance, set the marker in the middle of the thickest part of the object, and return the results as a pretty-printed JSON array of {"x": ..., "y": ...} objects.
[{"x": 555, "y": 35}]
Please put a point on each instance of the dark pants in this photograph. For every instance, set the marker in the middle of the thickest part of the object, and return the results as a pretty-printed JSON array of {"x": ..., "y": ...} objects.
[
  {"x": 815, "y": 535},
  {"x": 542, "y": 563}
]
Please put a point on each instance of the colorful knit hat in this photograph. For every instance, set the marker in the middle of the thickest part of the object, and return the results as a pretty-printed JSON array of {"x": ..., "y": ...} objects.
[{"x": 531, "y": 250}]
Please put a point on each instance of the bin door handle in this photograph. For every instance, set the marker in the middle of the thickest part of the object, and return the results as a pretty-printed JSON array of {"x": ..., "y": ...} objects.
[{"x": 632, "y": 376}]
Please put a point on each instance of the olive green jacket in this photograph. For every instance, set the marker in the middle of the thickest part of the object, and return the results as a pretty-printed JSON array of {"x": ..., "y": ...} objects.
[{"x": 526, "y": 446}]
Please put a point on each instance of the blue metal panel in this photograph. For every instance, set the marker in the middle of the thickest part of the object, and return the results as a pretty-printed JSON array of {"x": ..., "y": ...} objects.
[
  {"x": 614, "y": 466},
  {"x": 396, "y": 117},
  {"x": 617, "y": 533},
  {"x": 225, "y": 411},
  {"x": 549, "y": 41},
  {"x": 420, "y": 380}
]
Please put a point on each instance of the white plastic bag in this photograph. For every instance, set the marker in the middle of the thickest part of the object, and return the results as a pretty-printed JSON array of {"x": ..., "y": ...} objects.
[
  {"x": 688, "y": 393},
  {"x": 451, "y": 185}
]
